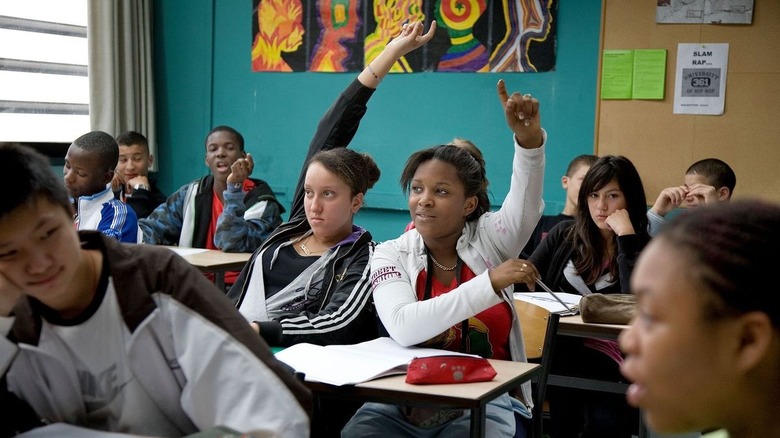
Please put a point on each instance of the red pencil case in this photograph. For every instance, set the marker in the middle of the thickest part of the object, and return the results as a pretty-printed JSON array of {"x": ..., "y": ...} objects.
[{"x": 449, "y": 369}]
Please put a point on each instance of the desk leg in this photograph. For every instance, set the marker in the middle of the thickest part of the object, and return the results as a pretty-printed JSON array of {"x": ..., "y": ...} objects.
[
  {"x": 643, "y": 432},
  {"x": 478, "y": 422},
  {"x": 219, "y": 280}
]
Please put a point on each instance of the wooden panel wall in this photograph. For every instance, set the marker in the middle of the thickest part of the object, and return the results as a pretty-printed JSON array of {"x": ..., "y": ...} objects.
[{"x": 661, "y": 144}]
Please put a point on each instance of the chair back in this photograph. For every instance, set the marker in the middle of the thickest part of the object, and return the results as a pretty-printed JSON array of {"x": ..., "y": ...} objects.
[
  {"x": 539, "y": 327},
  {"x": 533, "y": 321}
]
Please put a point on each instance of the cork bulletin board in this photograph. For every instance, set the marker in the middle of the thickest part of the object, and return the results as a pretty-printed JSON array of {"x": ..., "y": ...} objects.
[{"x": 661, "y": 144}]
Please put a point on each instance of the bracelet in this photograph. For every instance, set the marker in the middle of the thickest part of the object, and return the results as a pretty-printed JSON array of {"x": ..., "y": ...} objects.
[{"x": 378, "y": 79}]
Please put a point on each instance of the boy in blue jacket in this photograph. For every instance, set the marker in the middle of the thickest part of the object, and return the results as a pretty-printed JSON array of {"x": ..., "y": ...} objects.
[{"x": 88, "y": 171}]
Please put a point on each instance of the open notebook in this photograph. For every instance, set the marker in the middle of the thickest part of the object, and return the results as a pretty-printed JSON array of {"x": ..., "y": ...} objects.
[
  {"x": 544, "y": 299},
  {"x": 350, "y": 364}
]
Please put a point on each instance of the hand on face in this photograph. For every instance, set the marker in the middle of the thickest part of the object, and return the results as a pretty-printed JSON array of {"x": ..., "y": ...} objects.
[
  {"x": 701, "y": 194},
  {"x": 669, "y": 199},
  {"x": 117, "y": 182},
  {"x": 9, "y": 295},
  {"x": 514, "y": 271},
  {"x": 522, "y": 116},
  {"x": 620, "y": 222},
  {"x": 140, "y": 179},
  {"x": 241, "y": 169}
]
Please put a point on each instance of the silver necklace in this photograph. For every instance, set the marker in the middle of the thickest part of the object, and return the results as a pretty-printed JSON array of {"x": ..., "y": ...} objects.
[{"x": 440, "y": 266}]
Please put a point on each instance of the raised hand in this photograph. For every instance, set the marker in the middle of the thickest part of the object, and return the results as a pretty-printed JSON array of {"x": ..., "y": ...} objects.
[
  {"x": 241, "y": 169},
  {"x": 522, "y": 116},
  {"x": 411, "y": 37}
]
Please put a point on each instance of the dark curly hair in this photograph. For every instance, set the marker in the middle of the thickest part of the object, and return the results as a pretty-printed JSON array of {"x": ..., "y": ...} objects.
[
  {"x": 731, "y": 249},
  {"x": 30, "y": 176},
  {"x": 358, "y": 170},
  {"x": 470, "y": 169}
]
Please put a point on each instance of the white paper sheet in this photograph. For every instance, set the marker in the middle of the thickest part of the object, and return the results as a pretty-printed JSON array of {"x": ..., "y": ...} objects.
[
  {"x": 186, "y": 251},
  {"x": 549, "y": 302},
  {"x": 350, "y": 364}
]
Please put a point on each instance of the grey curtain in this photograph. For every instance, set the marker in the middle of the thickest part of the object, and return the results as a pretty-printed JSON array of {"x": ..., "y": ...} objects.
[{"x": 121, "y": 79}]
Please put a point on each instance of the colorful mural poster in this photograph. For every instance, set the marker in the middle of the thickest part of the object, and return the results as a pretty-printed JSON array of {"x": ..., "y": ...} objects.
[{"x": 344, "y": 35}]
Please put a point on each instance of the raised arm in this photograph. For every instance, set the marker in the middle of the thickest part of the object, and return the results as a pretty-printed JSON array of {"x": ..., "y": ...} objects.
[
  {"x": 522, "y": 117},
  {"x": 247, "y": 219},
  {"x": 340, "y": 123},
  {"x": 513, "y": 224}
]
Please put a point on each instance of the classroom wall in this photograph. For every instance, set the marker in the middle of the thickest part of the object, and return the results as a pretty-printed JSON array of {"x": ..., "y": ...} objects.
[
  {"x": 204, "y": 78},
  {"x": 661, "y": 144}
]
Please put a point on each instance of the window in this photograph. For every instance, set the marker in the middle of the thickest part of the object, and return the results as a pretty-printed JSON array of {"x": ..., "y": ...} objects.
[{"x": 44, "y": 89}]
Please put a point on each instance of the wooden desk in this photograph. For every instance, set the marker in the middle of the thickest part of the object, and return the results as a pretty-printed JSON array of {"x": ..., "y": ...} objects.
[
  {"x": 473, "y": 396},
  {"x": 575, "y": 326},
  {"x": 214, "y": 261}
]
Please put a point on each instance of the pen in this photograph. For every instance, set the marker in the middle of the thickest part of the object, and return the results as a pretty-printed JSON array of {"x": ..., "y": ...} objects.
[{"x": 548, "y": 290}]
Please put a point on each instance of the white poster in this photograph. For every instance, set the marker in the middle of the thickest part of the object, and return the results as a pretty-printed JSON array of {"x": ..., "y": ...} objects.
[
  {"x": 705, "y": 11},
  {"x": 700, "y": 80}
]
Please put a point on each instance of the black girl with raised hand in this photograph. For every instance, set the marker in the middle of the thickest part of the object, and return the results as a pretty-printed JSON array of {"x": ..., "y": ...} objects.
[{"x": 448, "y": 282}]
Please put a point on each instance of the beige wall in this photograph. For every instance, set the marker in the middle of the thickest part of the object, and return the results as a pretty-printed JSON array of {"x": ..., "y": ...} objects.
[{"x": 662, "y": 144}]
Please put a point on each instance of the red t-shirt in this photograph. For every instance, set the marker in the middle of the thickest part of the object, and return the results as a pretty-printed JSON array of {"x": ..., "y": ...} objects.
[
  {"x": 216, "y": 211},
  {"x": 488, "y": 334}
]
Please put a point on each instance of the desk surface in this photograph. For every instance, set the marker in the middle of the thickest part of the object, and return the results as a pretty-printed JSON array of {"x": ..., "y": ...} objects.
[
  {"x": 574, "y": 326},
  {"x": 473, "y": 396},
  {"x": 213, "y": 260},
  {"x": 394, "y": 389}
]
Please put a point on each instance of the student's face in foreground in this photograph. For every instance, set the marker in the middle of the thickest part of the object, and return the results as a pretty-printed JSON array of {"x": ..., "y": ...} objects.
[
  {"x": 82, "y": 173},
  {"x": 134, "y": 160},
  {"x": 329, "y": 203},
  {"x": 222, "y": 151},
  {"x": 680, "y": 365},
  {"x": 39, "y": 250},
  {"x": 437, "y": 200}
]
